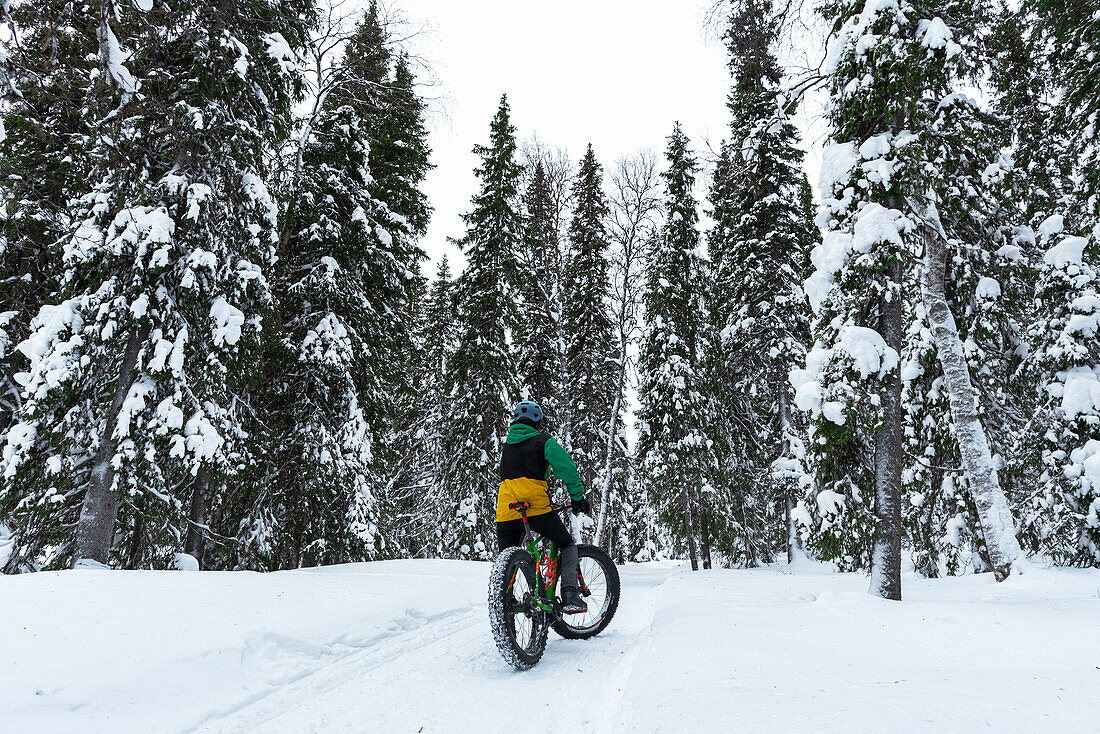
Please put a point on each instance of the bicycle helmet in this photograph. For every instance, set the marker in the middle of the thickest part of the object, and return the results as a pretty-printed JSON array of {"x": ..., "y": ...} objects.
[{"x": 528, "y": 409}]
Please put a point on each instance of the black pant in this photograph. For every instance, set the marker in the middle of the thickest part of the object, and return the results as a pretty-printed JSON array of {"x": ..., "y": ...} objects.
[{"x": 548, "y": 525}]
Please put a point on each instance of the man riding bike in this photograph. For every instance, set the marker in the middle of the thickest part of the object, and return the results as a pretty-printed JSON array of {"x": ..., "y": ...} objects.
[{"x": 526, "y": 461}]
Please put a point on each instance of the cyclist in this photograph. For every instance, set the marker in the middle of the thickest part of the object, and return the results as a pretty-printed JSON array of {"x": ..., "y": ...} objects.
[{"x": 526, "y": 460}]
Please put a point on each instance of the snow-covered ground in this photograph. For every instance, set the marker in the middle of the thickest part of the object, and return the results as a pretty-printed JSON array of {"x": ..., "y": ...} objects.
[{"x": 404, "y": 646}]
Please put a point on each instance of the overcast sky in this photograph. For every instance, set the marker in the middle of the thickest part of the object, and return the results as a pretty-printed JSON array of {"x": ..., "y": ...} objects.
[{"x": 616, "y": 73}]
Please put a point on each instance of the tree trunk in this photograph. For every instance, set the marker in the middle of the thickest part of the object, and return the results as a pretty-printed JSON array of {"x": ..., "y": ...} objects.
[
  {"x": 137, "y": 536},
  {"x": 689, "y": 529},
  {"x": 704, "y": 539},
  {"x": 95, "y": 529},
  {"x": 196, "y": 519},
  {"x": 605, "y": 498},
  {"x": 977, "y": 459},
  {"x": 786, "y": 428},
  {"x": 886, "y": 556}
]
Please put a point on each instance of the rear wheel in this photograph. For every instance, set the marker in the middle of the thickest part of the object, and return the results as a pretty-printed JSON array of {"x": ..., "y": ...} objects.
[
  {"x": 519, "y": 627},
  {"x": 599, "y": 584}
]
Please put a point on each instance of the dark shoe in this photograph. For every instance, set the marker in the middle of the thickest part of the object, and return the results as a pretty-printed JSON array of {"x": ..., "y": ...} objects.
[{"x": 571, "y": 601}]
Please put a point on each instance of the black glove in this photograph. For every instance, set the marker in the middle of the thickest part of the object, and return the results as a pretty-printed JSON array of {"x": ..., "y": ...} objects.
[{"x": 581, "y": 507}]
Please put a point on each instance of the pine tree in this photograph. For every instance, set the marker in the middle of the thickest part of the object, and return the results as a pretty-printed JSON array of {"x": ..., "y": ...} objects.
[
  {"x": 129, "y": 398},
  {"x": 399, "y": 152},
  {"x": 673, "y": 451},
  {"x": 759, "y": 249},
  {"x": 907, "y": 147},
  {"x": 336, "y": 397},
  {"x": 45, "y": 144},
  {"x": 481, "y": 380},
  {"x": 590, "y": 345},
  {"x": 1075, "y": 29},
  {"x": 1062, "y": 515},
  {"x": 852, "y": 383},
  {"x": 537, "y": 342},
  {"x": 418, "y": 499},
  {"x": 336, "y": 287}
]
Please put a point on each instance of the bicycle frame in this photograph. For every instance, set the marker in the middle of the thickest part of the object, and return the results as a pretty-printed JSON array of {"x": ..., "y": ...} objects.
[{"x": 547, "y": 567}]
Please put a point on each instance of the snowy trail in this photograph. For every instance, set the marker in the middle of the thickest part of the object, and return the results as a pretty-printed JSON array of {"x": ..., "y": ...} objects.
[
  {"x": 473, "y": 688},
  {"x": 404, "y": 646}
]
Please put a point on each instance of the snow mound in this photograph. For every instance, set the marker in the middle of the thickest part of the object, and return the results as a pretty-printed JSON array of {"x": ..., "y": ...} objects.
[
  {"x": 185, "y": 562},
  {"x": 1080, "y": 391},
  {"x": 1070, "y": 251},
  {"x": 868, "y": 350}
]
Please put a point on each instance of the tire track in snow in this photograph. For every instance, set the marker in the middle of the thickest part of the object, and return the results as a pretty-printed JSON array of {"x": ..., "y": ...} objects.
[{"x": 298, "y": 687}]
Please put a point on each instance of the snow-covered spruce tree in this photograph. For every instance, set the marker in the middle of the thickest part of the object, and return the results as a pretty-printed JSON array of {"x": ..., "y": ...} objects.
[
  {"x": 400, "y": 154},
  {"x": 420, "y": 498},
  {"x": 1062, "y": 516},
  {"x": 45, "y": 141},
  {"x": 336, "y": 287},
  {"x": 851, "y": 384},
  {"x": 481, "y": 381},
  {"x": 1024, "y": 74},
  {"x": 537, "y": 341},
  {"x": 1074, "y": 26},
  {"x": 589, "y": 333},
  {"x": 674, "y": 454},
  {"x": 399, "y": 162},
  {"x": 130, "y": 394},
  {"x": 345, "y": 286},
  {"x": 904, "y": 147},
  {"x": 759, "y": 249}
]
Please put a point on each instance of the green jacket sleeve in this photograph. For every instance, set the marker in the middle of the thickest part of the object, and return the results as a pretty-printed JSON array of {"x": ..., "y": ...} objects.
[{"x": 564, "y": 468}]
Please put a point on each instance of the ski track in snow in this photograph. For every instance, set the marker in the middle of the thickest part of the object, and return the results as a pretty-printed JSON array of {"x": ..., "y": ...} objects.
[
  {"x": 404, "y": 646},
  {"x": 587, "y": 677},
  {"x": 257, "y": 712}
]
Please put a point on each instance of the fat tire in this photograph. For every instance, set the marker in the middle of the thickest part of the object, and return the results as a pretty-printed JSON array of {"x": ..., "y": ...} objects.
[
  {"x": 499, "y": 577},
  {"x": 612, "y": 574}
]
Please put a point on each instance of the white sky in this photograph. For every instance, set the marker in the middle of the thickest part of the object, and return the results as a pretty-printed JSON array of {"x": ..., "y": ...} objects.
[{"x": 616, "y": 73}]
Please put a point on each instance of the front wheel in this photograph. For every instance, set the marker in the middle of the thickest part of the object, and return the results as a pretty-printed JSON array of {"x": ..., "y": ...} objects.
[
  {"x": 519, "y": 627},
  {"x": 599, "y": 584}
]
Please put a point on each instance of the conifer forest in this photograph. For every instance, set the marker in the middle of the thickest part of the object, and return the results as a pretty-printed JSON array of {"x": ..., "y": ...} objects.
[{"x": 223, "y": 342}]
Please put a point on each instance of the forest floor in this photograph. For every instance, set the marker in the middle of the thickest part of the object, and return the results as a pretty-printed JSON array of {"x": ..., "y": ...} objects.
[{"x": 404, "y": 646}]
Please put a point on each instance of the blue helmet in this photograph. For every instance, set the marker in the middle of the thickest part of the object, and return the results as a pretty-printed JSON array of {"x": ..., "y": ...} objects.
[{"x": 528, "y": 409}]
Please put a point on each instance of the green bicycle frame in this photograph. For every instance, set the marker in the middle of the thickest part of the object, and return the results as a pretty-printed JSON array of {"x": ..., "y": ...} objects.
[
  {"x": 546, "y": 574},
  {"x": 547, "y": 568}
]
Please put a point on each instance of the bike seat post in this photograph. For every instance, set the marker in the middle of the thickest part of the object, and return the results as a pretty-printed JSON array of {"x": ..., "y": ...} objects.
[{"x": 521, "y": 508}]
